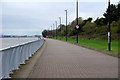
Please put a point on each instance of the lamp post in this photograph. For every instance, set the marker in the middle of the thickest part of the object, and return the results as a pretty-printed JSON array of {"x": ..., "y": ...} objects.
[
  {"x": 60, "y": 27},
  {"x": 53, "y": 29},
  {"x": 66, "y": 24},
  {"x": 109, "y": 32},
  {"x": 77, "y": 27},
  {"x": 56, "y": 29},
  {"x": 51, "y": 32}
]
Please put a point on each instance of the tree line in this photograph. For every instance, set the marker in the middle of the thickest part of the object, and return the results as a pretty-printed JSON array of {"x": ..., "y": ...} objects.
[{"x": 90, "y": 29}]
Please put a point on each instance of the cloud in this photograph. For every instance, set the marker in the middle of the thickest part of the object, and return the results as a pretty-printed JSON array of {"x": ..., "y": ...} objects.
[
  {"x": 0, "y": 19},
  {"x": 34, "y": 16},
  {"x": 113, "y": 1},
  {"x": 24, "y": 31}
]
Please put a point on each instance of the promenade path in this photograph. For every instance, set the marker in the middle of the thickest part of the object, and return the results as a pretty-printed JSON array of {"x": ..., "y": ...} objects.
[{"x": 65, "y": 60}]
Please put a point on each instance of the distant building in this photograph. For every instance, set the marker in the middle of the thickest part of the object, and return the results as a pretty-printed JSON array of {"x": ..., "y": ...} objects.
[{"x": 6, "y": 36}]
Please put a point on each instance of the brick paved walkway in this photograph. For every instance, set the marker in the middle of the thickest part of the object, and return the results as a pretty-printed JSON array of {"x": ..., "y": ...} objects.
[{"x": 64, "y": 60}]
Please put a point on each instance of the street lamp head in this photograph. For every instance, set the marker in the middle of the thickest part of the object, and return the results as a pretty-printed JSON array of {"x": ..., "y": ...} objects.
[{"x": 65, "y": 10}]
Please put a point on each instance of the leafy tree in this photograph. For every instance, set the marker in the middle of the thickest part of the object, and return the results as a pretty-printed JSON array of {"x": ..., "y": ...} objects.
[
  {"x": 101, "y": 30},
  {"x": 100, "y": 22},
  {"x": 44, "y": 33},
  {"x": 118, "y": 10},
  {"x": 115, "y": 26},
  {"x": 113, "y": 13},
  {"x": 62, "y": 30},
  {"x": 72, "y": 32},
  {"x": 89, "y": 19},
  {"x": 89, "y": 28},
  {"x": 118, "y": 26}
]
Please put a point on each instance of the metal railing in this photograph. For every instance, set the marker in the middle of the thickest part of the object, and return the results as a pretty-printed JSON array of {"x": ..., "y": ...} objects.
[{"x": 11, "y": 58}]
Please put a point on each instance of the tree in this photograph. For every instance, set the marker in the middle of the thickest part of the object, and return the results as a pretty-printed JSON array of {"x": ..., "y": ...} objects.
[
  {"x": 44, "y": 33},
  {"x": 114, "y": 27},
  {"x": 100, "y": 22},
  {"x": 118, "y": 10},
  {"x": 89, "y": 19},
  {"x": 113, "y": 13},
  {"x": 89, "y": 28}
]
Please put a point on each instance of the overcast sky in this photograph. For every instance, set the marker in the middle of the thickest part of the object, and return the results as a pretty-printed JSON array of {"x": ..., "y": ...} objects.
[{"x": 30, "y": 17}]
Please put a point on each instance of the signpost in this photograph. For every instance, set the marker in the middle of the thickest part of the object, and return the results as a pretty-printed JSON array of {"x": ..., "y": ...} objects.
[{"x": 77, "y": 27}]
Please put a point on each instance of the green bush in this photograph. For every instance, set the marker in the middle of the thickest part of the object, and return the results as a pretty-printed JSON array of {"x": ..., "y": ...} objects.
[
  {"x": 115, "y": 27},
  {"x": 89, "y": 28},
  {"x": 101, "y": 30}
]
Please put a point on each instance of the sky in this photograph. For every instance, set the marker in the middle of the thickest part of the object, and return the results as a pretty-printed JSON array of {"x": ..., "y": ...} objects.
[{"x": 31, "y": 17}]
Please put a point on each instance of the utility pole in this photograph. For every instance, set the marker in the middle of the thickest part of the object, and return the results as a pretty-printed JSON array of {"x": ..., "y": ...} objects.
[
  {"x": 60, "y": 27},
  {"x": 77, "y": 27},
  {"x": 66, "y": 25},
  {"x": 109, "y": 32},
  {"x": 56, "y": 29}
]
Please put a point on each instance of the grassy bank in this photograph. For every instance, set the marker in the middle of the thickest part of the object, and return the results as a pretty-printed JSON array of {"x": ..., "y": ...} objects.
[{"x": 95, "y": 44}]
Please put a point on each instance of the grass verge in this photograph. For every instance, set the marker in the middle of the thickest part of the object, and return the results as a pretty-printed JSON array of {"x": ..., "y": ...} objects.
[{"x": 95, "y": 44}]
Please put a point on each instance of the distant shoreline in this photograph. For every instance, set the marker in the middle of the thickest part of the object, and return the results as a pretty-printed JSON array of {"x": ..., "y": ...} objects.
[{"x": 18, "y": 37}]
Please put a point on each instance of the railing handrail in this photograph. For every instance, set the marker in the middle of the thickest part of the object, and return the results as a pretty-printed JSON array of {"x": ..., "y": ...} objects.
[
  {"x": 11, "y": 47},
  {"x": 12, "y": 57}
]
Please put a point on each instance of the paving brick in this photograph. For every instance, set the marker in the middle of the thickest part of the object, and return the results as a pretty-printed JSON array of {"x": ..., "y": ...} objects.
[{"x": 64, "y": 60}]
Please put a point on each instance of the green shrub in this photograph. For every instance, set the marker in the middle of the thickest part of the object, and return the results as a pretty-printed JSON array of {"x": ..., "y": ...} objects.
[
  {"x": 115, "y": 27},
  {"x": 89, "y": 28},
  {"x": 101, "y": 30}
]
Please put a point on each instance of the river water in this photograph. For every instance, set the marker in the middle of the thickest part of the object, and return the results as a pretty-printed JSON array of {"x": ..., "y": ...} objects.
[{"x": 11, "y": 42}]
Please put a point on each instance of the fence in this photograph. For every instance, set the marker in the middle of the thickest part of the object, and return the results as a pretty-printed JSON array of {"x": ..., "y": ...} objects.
[{"x": 11, "y": 58}]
